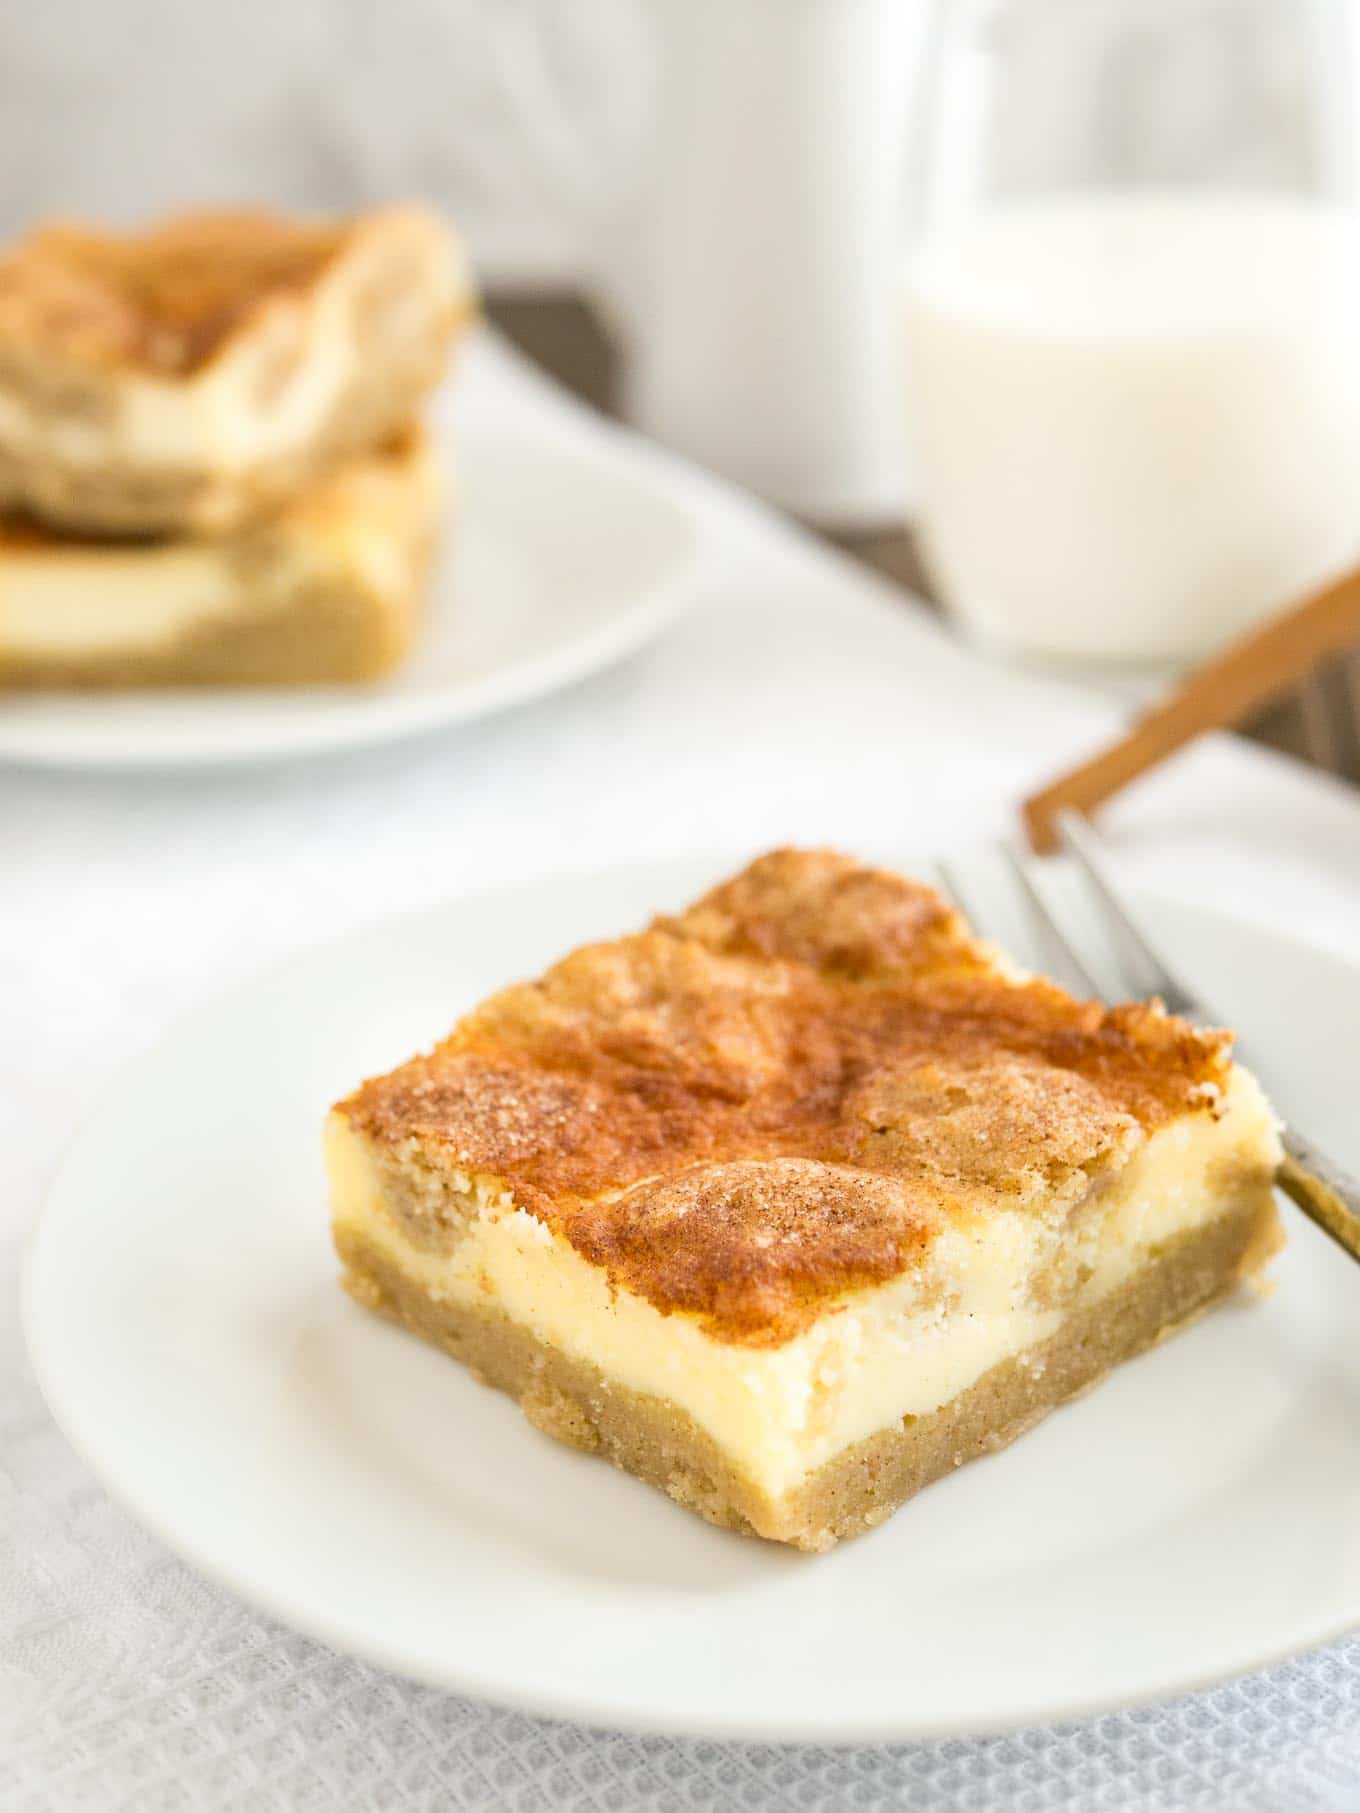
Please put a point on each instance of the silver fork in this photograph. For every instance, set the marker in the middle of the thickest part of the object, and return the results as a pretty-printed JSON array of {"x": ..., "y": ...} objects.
[{"x": 1320, "y": 1187}]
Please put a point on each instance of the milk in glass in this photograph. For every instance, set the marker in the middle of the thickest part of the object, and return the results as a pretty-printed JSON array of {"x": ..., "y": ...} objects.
[{"x": 1136, "y": 416}]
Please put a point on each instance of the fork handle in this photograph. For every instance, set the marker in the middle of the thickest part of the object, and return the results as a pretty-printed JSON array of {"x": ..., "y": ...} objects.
[
  {"x": 1326, "y": 1194},
  {"x": 1261, "y": 664}
]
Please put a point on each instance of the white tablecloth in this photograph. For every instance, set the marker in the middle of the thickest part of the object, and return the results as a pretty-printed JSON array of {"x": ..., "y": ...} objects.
[{"x": 798, "y": 700}]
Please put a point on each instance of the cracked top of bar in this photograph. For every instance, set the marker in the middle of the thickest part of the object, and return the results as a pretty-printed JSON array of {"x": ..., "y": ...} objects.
[
  {"x": 788, "y": 1091},
  {"x": 167, "y": 299}
]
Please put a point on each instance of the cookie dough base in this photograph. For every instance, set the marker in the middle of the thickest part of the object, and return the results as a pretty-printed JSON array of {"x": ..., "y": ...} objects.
[
  {"x": 574, "y": 1401},
  {"x": 321, "y": 634}
]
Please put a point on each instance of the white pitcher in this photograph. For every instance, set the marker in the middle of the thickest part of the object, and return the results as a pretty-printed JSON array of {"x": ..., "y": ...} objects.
[{"x": 755, "y": 291}]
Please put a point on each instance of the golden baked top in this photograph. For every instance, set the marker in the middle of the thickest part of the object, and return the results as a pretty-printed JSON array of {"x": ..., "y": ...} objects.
[
  {"x": 166, "y": 299},
  {"x": 786, "y": 1091}
]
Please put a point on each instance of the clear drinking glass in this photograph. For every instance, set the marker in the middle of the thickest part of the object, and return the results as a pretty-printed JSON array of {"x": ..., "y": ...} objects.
[{"x": 1132, "y": 322}]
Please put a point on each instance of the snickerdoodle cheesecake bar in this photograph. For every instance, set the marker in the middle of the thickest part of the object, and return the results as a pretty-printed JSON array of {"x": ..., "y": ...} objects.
[
  {"x": 331, "y": 587},
  {"x": 186, "y": 377},
  {"x": 797, "y": 1201}
]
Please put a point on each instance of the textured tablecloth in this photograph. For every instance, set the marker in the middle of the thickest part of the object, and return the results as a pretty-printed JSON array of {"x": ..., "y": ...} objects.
[{"x": 798, "y": 699}]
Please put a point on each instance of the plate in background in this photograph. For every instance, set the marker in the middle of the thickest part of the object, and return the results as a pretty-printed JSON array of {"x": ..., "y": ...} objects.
[
  {"x": 558, "y": 564},
  {"x": 1192, "y": 1518}
]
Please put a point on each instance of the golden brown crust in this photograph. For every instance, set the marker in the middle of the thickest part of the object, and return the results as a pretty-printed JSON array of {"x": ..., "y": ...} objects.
[
  {"x": 837, "y": 1019},
  {"x": 165, "y": 299},
  {"x": 749, "y": 1248},
  {"x": 843, "y": 918}
]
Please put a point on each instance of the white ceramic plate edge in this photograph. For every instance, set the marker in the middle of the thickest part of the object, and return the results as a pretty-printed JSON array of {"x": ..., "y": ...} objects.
[
  {"x": 373, "y": 716},
  {"x": 466, "y": 1680}
]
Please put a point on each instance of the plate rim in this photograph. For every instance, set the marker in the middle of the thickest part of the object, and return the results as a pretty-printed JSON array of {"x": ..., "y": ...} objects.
[
  {"x": 374, "y": 718},
  {"x": 493, "y": 1690}
]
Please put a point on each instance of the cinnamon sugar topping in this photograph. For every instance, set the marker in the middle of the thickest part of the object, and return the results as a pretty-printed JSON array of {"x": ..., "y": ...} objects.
[
  {"x": 165, "y": 299},
  {"x": 786, "y": 1091}
]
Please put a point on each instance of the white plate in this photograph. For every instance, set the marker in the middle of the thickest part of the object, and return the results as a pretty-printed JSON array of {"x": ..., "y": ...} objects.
[
  {"x": 558, "y": 564},
  {"x": 1194, "y": 1517}
]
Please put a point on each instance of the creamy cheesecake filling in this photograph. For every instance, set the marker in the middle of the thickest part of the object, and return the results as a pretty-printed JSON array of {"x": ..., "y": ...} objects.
[
  {"x": 990, "y": 1289},
  {"x": 73, "y": 600},
  {"x": 213, "y": 419},
  {"x": 112, "y": 599}
]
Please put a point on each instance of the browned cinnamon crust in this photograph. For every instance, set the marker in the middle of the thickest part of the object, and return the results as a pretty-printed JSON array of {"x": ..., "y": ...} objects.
[
  {"x": 191, "y": 376},
  {"x": 751, "y": 1250},
  {"x": 784, "y": 1092},
  {"x": 166, "y": 299},
  {"x": 856, "y": 1490}
]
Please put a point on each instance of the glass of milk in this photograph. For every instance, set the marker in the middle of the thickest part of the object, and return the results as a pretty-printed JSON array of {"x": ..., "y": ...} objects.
[{"x": 1133, "y": 319}]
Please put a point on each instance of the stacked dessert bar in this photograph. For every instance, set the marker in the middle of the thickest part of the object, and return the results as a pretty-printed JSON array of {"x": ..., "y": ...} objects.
[{"x": 211, "y": 464}]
